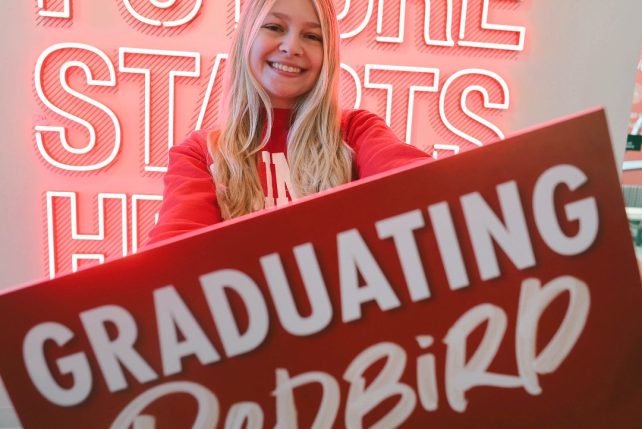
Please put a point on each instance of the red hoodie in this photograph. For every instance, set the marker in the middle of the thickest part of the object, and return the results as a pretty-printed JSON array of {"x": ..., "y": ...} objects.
[{"x": 189, "y": 195}]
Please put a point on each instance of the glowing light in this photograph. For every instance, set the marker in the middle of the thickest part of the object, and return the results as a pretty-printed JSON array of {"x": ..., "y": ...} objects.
[
  {"x": 487, "y": 103},
  {"x": 64, "y": 13},
  {"x": 363, "y": 23},
  {"x": 399, "y": 38},
  {"x": 432, "y": 72},
  {"x": 357, "y": 84},
  {"x": 444, "y": 147},
  {"x": 138, "y": 225},
  {"x": 164, "y": 5},
  {"x": 485, "y": 25},
  {"x": 75, "y": 259},
  {"x": 53, "y": 222},
  {"x": 60, "y": 130},
  {"x": 126, "y": 53},
  {"x": 402, "y": 23},
  {"x": 449, "y": 19},
  {"x": 77, "y": 133},
  {"x": 220, "y": 58}
]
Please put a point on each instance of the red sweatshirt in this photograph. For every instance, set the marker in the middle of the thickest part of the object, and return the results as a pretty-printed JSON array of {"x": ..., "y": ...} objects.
[{"x": 189, "y": 195}]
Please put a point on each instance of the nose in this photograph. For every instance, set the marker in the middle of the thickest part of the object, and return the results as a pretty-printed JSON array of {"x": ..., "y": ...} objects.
[{"x": 291, "y": 45}]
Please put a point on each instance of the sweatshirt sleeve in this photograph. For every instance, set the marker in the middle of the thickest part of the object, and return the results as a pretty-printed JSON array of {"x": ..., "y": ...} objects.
[
  {"x": 189, "y": 195},
  {"x": 377, "y": 148}
]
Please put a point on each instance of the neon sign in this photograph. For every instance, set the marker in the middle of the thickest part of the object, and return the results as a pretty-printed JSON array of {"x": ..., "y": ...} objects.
[{"x": 435, "y": 70}]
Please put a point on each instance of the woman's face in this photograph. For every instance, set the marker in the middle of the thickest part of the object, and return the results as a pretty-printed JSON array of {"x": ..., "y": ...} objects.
[{"x": 287, "y": 53}]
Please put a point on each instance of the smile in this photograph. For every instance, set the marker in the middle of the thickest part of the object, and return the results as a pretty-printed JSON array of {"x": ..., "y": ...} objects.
[{"x": 285, "y": 68}]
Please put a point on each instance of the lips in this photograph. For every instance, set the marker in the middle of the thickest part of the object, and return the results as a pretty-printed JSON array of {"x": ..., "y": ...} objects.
[{"x": 285, "y": 68}]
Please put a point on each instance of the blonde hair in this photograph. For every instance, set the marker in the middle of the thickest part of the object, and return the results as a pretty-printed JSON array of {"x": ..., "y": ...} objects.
[{"x": 318, "y": 157}]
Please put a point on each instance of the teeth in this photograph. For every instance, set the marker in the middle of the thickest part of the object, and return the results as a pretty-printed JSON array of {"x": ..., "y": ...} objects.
[{"x": 283, "y": 67}]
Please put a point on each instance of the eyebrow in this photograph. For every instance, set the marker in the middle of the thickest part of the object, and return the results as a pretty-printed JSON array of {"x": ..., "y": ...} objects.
[{"x": 287, "y": 18}]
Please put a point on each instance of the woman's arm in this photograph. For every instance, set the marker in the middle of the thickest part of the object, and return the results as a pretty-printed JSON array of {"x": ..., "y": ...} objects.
[
  {"x": 189, "y": 195},
  {"x": 377, "y": 148}
]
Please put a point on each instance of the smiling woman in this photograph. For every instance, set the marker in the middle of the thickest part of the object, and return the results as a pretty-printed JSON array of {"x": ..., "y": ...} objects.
[
  {"x": 282, "y": 135},
  {"x": 287, "y": 53}
]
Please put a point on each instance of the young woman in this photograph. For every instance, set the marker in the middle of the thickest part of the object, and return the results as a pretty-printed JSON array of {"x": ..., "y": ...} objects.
[{"x": 284, "y": 135}]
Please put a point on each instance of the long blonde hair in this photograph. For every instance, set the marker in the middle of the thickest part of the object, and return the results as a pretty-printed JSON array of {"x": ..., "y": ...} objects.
[{"x": 318, "y": 157}]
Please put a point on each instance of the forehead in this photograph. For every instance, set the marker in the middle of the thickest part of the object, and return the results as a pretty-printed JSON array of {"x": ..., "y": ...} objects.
[{"x": 301, "y": 11}]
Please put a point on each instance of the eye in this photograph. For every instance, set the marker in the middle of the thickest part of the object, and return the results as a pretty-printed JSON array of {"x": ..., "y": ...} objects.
[
  {"x": 315, "y": 37},
  {"x": 273, "y": 27}
]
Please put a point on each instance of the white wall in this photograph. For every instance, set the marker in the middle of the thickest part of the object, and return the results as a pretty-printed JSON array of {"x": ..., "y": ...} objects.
[
  {"x": 582, "y": 53},
  {"x": 17, "y": 237}
]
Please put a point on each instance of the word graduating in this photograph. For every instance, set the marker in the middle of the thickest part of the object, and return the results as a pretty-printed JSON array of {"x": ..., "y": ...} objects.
[{"x": 180, "y": 335}]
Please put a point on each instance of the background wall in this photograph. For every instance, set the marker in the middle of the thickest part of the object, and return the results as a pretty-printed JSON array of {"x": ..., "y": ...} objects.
[
  {"x": 17, "y": 262},
  {"x": 579, "y": 54},
  {"x": 583, "y": 53}
]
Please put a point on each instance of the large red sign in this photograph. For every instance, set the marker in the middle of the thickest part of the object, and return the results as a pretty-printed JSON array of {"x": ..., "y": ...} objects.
[{"x": 494, "y": 289}]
